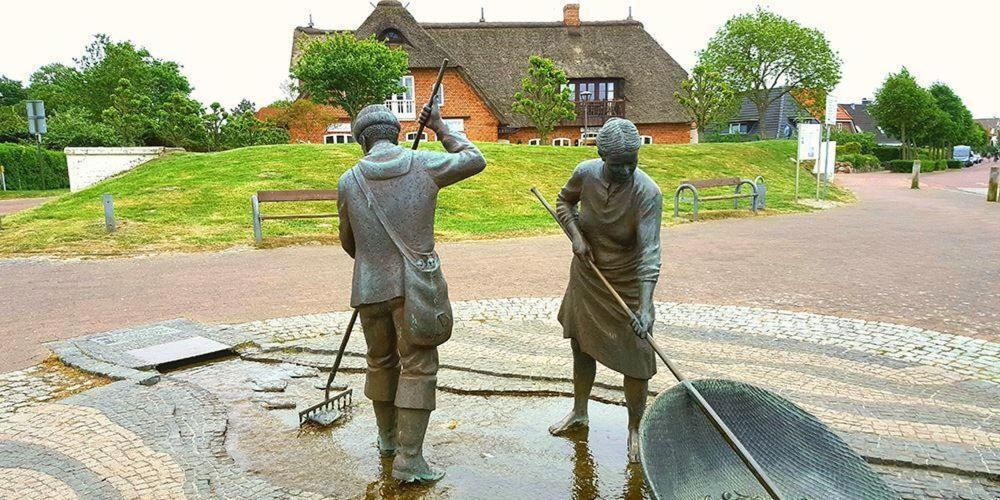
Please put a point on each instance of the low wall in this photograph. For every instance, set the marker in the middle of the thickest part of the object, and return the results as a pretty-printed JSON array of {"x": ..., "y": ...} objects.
[{"x": 91, "y": 165}]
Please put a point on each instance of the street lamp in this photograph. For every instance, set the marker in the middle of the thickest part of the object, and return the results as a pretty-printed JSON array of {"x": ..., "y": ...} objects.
[{"x": 585, "y": 97}]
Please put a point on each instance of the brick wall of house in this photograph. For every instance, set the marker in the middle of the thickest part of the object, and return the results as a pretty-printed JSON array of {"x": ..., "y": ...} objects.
[
  {"x": 662, "y": 133},
  {"x": 460, "y": 101}
]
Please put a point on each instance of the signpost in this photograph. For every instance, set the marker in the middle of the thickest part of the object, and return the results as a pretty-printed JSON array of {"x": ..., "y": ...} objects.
[
  {"x": 37, "y": 127},
  {"x": 828, "y": 160},
  {"x": 809, "y": 137}
]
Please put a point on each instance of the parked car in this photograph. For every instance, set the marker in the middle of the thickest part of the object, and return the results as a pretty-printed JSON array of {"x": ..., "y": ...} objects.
[
  {"x": 962, "y": 154},
  {"x": 976, "y": 159}
]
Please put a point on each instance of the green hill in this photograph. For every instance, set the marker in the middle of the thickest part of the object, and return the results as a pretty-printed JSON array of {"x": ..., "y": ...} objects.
[{"x": 201, "y": 201}]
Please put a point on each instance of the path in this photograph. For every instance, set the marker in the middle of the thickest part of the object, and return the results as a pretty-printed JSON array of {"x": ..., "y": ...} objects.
[
  {"x": 18, "y": 204},
  {"x": 924, "y": 258}
]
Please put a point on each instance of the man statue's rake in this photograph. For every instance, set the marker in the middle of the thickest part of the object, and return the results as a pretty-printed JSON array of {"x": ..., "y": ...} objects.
[{"x": 714, "y": 439}]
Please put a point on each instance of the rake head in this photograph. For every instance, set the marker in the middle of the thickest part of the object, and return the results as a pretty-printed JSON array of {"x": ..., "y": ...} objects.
[{"x": 329, "y": 410}]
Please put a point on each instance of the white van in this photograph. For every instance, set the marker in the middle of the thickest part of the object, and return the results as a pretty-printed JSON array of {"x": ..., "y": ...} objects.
[{"x": 962, "y": 154}]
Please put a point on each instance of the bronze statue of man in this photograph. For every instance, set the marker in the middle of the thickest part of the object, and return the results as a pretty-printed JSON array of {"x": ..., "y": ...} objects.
[
  {"x": 612, "y": 212},
  {"x": 387, "y": 203}
]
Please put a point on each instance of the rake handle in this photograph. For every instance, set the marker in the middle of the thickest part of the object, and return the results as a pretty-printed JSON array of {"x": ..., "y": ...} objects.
[
  {"x": 706, "y": 408},
  {"x": 340, "y": 353},
  {"x": 434, "y": 93}
]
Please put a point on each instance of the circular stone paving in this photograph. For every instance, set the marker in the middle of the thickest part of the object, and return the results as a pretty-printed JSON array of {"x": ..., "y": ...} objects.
[{"x": 920, "y": 406}]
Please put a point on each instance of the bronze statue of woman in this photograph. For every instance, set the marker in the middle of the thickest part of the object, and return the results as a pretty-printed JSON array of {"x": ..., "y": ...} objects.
[{"x": 612, "y": 211}]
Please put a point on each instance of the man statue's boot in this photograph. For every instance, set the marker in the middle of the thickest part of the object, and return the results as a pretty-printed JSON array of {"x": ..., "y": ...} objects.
[
  {"x": 409, "y": 465},
  {"x": 385, "y": 418}
]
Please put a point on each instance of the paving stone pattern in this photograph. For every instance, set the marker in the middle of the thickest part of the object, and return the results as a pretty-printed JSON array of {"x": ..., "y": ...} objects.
[{"x": 921, "y": 406}]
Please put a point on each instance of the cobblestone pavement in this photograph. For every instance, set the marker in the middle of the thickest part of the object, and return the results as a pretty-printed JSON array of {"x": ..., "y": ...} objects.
[
  {"x": 919, "y": 405},
  {"x": 924, "y": 258}
]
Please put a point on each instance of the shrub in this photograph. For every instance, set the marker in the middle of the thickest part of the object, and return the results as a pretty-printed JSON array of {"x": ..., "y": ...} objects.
[
  {"x": 716, "y": 137},
  {"x": 888, "y": 153},
  {"x": 901, "y": 166},
  {"x": 866, "y": 141},
  {"x": 851, "y": 148},
  {"x": 955, "y": 163},
  {"x": 23, "y": 170},
  {"x": 861, "y": 163}
]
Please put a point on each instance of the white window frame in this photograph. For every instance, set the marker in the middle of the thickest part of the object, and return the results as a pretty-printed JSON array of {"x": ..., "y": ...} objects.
[
  {"x": 338, "y": 138},
  {"x": 402, "y": 105},
  {"x": 534, "y": 142},
  {"x": 410, "y": 136},
  {"x": 646, "y": 139},
  {"x": 740, "y": 126},
  {"x": 562, "y": 141}
]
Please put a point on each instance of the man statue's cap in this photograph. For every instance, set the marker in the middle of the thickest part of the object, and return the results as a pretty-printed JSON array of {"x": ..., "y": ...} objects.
[
  {"x": 373, "y": 114},
  {"x": 618, "y": 135}
]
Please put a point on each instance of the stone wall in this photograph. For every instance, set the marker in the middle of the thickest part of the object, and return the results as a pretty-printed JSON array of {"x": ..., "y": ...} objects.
[{"x": 89, "y": 166}]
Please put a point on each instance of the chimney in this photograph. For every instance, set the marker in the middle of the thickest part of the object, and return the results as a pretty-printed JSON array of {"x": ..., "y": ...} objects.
[{"x": 571, "y": 15}]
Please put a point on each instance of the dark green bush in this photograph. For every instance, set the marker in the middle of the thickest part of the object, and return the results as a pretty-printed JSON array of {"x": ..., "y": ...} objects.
[
  {"x": 729, "y": 138},
  {"x": 860, "y": 162},
  {"x": 850, "y": 148},
  {"x": 866, "y": 141},
  {"x": 24, "y": 171},
  {"x": 888, "y": 153},
  {"x": 901, "y": 166},
  {"x": 955, "y": 163}
]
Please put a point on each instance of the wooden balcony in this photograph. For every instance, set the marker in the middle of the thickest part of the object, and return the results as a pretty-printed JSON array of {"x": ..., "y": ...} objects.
[{"x": 596, "y": 112}]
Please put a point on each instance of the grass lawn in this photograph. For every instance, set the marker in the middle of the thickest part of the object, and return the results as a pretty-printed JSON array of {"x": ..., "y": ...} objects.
[
  {"x": 201, "y": 201},
  {"x": 10, "y": 195}
]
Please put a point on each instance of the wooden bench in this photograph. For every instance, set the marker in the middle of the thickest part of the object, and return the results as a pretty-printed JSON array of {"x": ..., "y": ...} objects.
[
  {"x": 694, "y": 185},
  {"x": 288, "y": 196}
]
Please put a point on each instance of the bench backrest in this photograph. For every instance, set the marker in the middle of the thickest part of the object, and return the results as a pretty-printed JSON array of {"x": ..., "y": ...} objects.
[
  {"x": 707, "y": 183},
  {"x": 298, "y": 195}
]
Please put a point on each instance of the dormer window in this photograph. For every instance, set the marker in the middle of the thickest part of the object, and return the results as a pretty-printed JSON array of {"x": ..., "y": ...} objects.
[{"x": 392, "y": 36}]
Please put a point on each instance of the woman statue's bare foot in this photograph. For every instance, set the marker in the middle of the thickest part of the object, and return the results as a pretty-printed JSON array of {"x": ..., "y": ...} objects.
[
  {"x": 633, "y": 446},
  {"x": 572, "y": 421}
]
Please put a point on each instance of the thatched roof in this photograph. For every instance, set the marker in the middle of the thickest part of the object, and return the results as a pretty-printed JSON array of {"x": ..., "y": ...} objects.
[{"x": 494, "y": 57}]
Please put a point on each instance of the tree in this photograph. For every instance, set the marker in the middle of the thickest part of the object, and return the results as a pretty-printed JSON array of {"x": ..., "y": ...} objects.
[
  {"x": 126, "y": 114},
  {"x": 545, "y": 98},
  {"x": 763, "y": 56},
  {"x": 11, "y": 92},
  {"x": 75, "y": 127},
  {"x": 349, "y": 73},
  {"x": 244, "y": 106},
  {"x": 903, "y": 108},
  {"x": 707, "y": 97},
  {"x": 214, "y": 119},
  {"x": 244, "y": 129},
  {"x": 178, "y": 124}
]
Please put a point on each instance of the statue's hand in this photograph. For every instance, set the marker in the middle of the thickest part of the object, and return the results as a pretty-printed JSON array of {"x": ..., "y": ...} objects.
[
  {"x": 431, "y": 116},
  {"x": 645, "y": 319},
  {"x": 581, "y": 249}
]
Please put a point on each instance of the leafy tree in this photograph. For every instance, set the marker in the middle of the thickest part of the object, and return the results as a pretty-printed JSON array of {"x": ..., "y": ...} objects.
[
  {"x": 127, "y": 114},
  {"x": 300, "y": 114},
  {"x": 214, "y": 119},
  {"x": 178, "y": 123},
  {"x": 763, "y": 56},
  {"x": 245, "y": 106},
  {"x": 244, "y": 129},
  {"x": 903, "y": 108},
  {"x": 75, "y": 127},
  {"x": 348, "y": 73},
  {"x": 707, "y": 97},
  {"x": 545, "y": 98},
  {"x": 11, "y": 92}
]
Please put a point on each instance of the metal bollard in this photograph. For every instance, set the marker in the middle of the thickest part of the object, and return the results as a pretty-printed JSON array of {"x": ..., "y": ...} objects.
[
  {"x": 109, "y": 212},
  {"x": 258, "y": 236}
]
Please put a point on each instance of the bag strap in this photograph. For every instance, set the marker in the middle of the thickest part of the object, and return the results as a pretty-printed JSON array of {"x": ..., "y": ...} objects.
[{"x": 427, "y": 263}]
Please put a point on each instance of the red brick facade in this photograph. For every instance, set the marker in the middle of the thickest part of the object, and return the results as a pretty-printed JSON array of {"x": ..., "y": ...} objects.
[
  {"x": 662, "y": 133},
  {"x": 460, "y": 102}
]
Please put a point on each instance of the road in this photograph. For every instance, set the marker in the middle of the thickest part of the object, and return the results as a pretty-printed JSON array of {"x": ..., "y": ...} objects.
[{"x": 928, "y": 258}]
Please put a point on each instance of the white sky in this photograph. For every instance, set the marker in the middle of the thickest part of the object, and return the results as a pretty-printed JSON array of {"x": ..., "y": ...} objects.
[{"x": 235, "y": 49}]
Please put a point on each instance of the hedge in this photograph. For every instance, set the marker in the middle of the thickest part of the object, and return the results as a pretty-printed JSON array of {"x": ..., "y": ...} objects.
[
  {"x": 729, "y": 138},
  {"x": 955, "y": 163},
  {"x": 850, "y": 148},
  {"x": 906, "y": 166},
  {"x": 23, "y": 171},
  {"x": 888, "y": 153}
]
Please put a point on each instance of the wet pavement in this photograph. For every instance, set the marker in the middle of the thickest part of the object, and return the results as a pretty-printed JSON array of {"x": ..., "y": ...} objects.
[{"x": 920, "y": 406}]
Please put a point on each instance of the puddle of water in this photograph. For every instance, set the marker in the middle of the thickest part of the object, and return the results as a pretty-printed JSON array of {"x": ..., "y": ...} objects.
[{"x": 490, "y": 446}]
